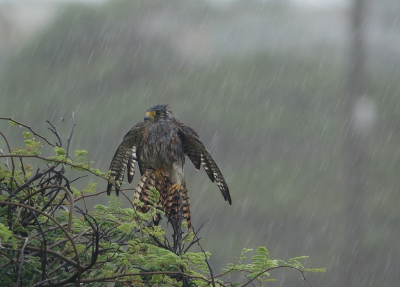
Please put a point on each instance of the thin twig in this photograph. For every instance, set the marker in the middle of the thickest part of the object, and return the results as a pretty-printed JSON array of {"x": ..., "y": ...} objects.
[
  {"x": 43, "y": 254},
  {"x": 95, "y": 249},
  {"x": 70, "y": 136},
  {"x": 29, "y": 181},
  {"x": 75, "y": 237},
  {"x": 6, "y": 163},
  {"x": 53, "y": 129},
  {"x": 159, "y": 243},
  {"x": 12, "y": 160},
  {"x": 10, "y": 258},
  {"x": 191, "y": 244},
  {"x": 90, "y": 195},
  {"x": 29, "y": 128},
  {"x": 54, "y": 160},
  {"x": 71, "y": 205},
  {"x": 44, "y": 281},
  {"x": 21, "y": 265},
  {"x": 276, "y": 267},
  {"x": 55, "y": 222},
  {"x": 205, "y": 259}
]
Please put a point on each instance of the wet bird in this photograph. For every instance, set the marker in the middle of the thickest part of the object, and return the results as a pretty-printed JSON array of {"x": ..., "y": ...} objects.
[{"x": 159, "y": 145}]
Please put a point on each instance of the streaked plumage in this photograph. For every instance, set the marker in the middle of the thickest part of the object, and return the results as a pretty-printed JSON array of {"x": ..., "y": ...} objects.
[{"x": 159, "y": 146}]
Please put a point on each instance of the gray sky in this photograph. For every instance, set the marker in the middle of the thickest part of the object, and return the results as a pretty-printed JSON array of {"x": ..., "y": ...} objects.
[
  {"x": 312, "y": 3},
  {"x": 318, "y": 4},
  {"x": 321, "y": 3}
]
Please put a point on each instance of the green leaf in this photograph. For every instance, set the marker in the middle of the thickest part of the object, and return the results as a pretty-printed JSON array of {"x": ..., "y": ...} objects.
[
  {"x": 75, "y": 192},
  {"x": 297, "y": 258},
  {"x": 91, "y": 188},
  {"x": 263, "y": 251},
  {"x": 157, "y": 278},
  {"x": 59, "y": 150},
  {"x": 317, "y": 270},
  {"x": 5, "y": 233},
  {"x": 80, "y": 152},
  {"x": 79, "y": 166},
  {"x": 60, "y": 158},
  {"x": 29, "y": 143},
  {"x": 253, "y": 275},
  {"x": 26, "y": 134}
]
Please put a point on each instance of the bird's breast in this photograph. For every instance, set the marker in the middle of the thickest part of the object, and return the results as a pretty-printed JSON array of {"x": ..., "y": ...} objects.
[{"x": 161, "y": 147}]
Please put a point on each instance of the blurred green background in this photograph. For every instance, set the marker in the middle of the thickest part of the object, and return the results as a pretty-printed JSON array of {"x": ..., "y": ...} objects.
[{"x": 312, "y": 168}]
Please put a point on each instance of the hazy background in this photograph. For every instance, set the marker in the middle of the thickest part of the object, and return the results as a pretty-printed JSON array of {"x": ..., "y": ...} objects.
[{"x": 297, "y": 102}]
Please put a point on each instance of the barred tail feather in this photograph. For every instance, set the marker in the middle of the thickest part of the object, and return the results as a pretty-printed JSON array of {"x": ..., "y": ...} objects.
[
  {"x": 173, "y": 204},
  {"x": 169, "y": 199},
  {"x": 146, "y": 183},
  {"x": 185, "y": 203}
]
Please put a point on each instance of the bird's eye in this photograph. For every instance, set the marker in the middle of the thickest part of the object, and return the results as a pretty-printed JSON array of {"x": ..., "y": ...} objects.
[{"x": 157, "y": 113}]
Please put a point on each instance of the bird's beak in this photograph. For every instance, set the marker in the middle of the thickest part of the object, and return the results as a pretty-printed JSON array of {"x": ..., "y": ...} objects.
[{"x": 148, "y": 116}]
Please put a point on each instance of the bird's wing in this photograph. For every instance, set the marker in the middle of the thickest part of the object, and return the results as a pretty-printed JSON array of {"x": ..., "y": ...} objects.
[
  {"x": 198, "y": 154},
  {"x": 125, "y": 157}
]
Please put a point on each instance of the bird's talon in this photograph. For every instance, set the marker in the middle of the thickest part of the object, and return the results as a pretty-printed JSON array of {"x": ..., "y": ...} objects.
[
  {"x": 174, "y": 187},
  {"x": 160, "y": 173}
]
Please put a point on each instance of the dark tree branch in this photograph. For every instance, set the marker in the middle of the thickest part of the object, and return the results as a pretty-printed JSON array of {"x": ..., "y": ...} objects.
[
  {"x": 55, "y": 222},
  {"x": 21, "y": 265},
  {"x": 12, "y": 160},
  {"x": 43, "y": 253},
  {"x": 72, "y": 132},
  {"x": 54, "y": 160},
  {"x": 53, "y": 129},
  {"x": 29, "y": 128},
  {"x": 205, "y": 259},
  {"x": 32, "y": 179}
]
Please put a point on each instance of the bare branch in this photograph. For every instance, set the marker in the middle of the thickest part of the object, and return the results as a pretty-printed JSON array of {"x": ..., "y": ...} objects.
[
  {"x": 53, "y": 129},
  {"x": 72, "y": 132},
  {"x": 29, "y": 128},
  {"x": 29, "y": 181},
  {"x": 19, "y": 277},
  {"x": 54, "y": 160}
]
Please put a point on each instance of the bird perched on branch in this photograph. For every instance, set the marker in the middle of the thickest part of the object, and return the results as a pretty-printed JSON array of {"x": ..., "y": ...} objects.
[{"x": 159, "y": 146}]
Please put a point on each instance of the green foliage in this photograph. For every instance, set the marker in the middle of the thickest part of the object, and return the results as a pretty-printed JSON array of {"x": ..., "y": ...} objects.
[
  {"x": 5, "y": 233},
  {"x": 60, "y": 151},
  {"x": 91, "y": 188},
  {"x": 107, "y": 243}
]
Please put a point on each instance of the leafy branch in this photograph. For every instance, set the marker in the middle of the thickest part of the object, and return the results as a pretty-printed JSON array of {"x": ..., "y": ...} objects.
[{"x": 47, "y": 240}]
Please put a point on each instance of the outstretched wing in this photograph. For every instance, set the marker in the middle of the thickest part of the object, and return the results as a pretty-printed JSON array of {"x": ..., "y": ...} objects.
[
  {"x": 125, "y": 157},
  {"x": 198, "y": 154}
]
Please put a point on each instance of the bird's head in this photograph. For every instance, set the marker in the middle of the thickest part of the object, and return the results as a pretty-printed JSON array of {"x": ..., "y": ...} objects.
[{"x": 157, "y": 112}]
